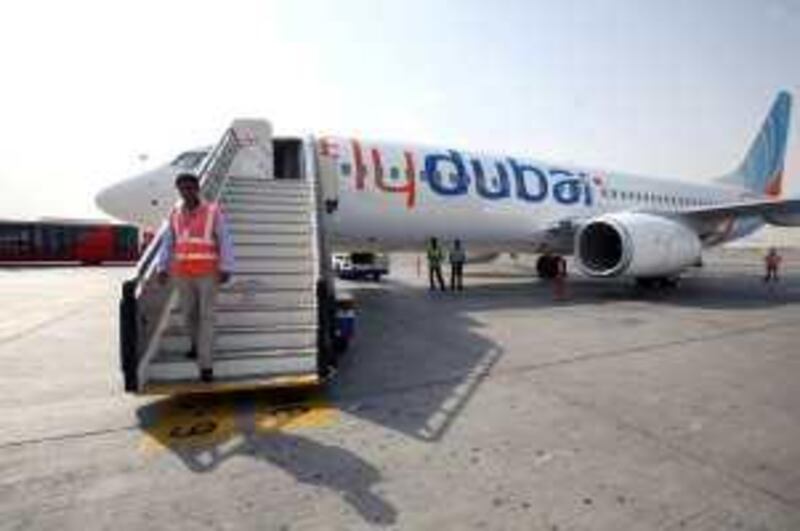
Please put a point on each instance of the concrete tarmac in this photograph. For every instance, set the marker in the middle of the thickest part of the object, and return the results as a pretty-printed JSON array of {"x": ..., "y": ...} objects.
[{"x": 494, "y": 408}]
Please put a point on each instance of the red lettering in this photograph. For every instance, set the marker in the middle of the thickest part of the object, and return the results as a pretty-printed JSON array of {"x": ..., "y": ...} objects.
[
  {"x": 408, "y": 187},
  {"x": 328, "y": 148},
  {"x": 383, "y": 184},
  {"x": 360, "y": 169}
]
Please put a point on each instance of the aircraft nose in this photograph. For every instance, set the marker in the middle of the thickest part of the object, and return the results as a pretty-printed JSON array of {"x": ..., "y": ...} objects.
[{"x": 112, "y": 200}]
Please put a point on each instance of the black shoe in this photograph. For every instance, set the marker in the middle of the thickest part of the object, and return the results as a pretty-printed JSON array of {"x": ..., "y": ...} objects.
[
  {"x": 207, "y": 375},
  {"x": 191, "y": 353}
]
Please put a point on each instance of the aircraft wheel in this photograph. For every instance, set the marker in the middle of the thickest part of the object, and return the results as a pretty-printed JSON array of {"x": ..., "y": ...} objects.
[
  {"x": 646, "y": 282},
  {"x": 657, "y": 282},
  {"x": 546, "y": 266}
]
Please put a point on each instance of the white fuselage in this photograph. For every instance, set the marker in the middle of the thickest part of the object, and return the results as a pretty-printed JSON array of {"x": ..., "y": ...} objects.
[{"x": 395, "y": 197}]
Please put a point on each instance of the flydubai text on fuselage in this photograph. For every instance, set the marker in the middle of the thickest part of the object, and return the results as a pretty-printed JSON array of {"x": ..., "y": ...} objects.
[{"x": 399, "y": 195}]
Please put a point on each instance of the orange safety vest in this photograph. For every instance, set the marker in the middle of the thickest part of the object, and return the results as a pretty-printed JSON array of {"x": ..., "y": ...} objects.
[{"x": 195, "y": 247}]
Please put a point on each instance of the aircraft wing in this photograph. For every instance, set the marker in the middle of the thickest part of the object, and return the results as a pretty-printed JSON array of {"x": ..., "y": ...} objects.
[
  {"x": 781, "y": 212},
  {"x": 706, "y": 221}
]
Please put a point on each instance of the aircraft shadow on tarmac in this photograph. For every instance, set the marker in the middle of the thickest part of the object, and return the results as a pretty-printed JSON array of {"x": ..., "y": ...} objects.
[
  {"x": 419, "y": 356},
  {"x": 708, "y": 288},
  {"x": 306, "y": 460},
  {"x": 416, "y": 361}
]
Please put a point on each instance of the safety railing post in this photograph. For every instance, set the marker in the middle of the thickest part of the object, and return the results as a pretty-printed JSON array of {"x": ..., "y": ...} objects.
[{"x": 128, "y": 334}]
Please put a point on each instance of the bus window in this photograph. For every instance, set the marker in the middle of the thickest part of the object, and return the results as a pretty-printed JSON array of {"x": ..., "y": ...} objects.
[{"x": 125, "y": 242}]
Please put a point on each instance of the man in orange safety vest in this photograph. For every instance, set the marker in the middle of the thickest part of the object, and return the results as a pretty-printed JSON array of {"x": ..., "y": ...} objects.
[{"x": 197, "y": 253}]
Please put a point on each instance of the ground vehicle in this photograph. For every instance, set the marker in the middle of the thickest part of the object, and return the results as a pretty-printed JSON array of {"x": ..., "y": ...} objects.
[
  {"x": 66, "y": 241},
  {"x": 361, "y": 265}
]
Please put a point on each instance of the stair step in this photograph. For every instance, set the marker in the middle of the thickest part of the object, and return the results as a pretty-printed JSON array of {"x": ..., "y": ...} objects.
[
  {"x": 249, "y": 227},
  {"x": 239, "y": 383},
  {"x": 245, "y": 284},
  {"x": 269, "y": 207},
  {"x": 270, "y": 286},
  {"x": 273, "y": 252},
  {"x": 260, "y": 193},
  {"x": 279, "y": 184},
  {"x": 245, "y": 318},
  {"x": 266, "y": 190},
  {"x": 227, "y": 343},
  {"x": 276, "y": 306},
  {"x": 175, "y": 326},
  {"x": 282, "y": 202},
  {"x": 289, "y": 267},
  {"x": 241, "y": 179},
  {"x": 285, "y": 241},
  {"x": 256, "y": 366},
  {"x": 277, "y": 298},
  {"x": 294, "y": 218}
]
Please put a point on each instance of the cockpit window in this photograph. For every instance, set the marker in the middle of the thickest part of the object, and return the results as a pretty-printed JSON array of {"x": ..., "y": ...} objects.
[{"x": 189, "y": 160}]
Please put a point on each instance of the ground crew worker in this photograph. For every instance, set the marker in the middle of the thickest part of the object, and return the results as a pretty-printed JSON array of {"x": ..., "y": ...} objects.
[
  {"x": 197, "y": 253},
  {"x": 771, "y": 262},
  {"x": 457, "y": 259},
  {"x": 559, "y": 278},
  {"x": 435, "y": 258}
]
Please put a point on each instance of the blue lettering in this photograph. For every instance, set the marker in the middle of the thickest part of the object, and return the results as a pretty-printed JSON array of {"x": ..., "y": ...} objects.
[
  {"x": 567, "y": 191},
  {"x": 587, "y": 189},
  {"x": 502, "y": 186},
  {"x": 522, "y": 188},
  {"x": 436, "y": 179}
]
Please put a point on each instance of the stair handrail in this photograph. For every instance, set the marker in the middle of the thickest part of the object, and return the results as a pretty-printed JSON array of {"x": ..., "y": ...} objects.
[
  {"x": 322, "y": 263},
  {"x": 146, "y": 303}
]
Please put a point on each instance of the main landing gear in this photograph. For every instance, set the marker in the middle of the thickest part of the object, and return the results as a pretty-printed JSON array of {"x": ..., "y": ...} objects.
[
  {"x": 547, "y": 266},
  {"x": 657, "y": 282}
]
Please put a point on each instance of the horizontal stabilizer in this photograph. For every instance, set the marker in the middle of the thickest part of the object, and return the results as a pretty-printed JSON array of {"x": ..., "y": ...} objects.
[{"x": 780, "y": 212}]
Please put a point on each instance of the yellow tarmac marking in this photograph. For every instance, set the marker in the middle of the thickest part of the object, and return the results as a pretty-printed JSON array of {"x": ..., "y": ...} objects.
[
  {"x": 195, "y": 422},
  {"x": 313, "y": 414},
  {"x": 188, "y": 424},
  {"x": 306, "y": 380}
]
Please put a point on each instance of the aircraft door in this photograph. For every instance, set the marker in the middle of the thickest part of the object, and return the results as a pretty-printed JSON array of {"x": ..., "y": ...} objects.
[{"x": 288, "y": 158}]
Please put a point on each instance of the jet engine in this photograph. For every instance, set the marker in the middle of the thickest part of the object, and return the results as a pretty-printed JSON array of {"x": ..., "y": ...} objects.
[{"x": 635, "y": 244}]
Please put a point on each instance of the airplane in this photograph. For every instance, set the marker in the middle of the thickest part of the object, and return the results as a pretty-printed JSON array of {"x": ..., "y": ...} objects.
[{"x": 395, "y": 197}]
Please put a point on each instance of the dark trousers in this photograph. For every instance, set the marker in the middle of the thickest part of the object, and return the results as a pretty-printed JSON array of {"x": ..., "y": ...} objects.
[
  {"x": 435, "y": 272},
  {"x": 457, "y": 276},
  {"x": 772, "y": 274}
]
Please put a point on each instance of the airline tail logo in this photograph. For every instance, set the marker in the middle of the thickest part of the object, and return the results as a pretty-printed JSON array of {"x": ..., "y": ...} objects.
[{"x": 762, "y": 169}]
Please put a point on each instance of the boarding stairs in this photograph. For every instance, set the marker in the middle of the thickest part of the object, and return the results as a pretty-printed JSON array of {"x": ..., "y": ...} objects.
[{"x": 272, "y": 319}]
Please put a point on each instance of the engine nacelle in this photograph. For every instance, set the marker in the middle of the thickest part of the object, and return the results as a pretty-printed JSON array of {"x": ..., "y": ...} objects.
[{"x": 635, "y": 244}]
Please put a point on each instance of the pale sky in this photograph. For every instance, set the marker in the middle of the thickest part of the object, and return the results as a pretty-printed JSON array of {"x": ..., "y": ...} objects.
[{"x": 674, "y": 88}]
